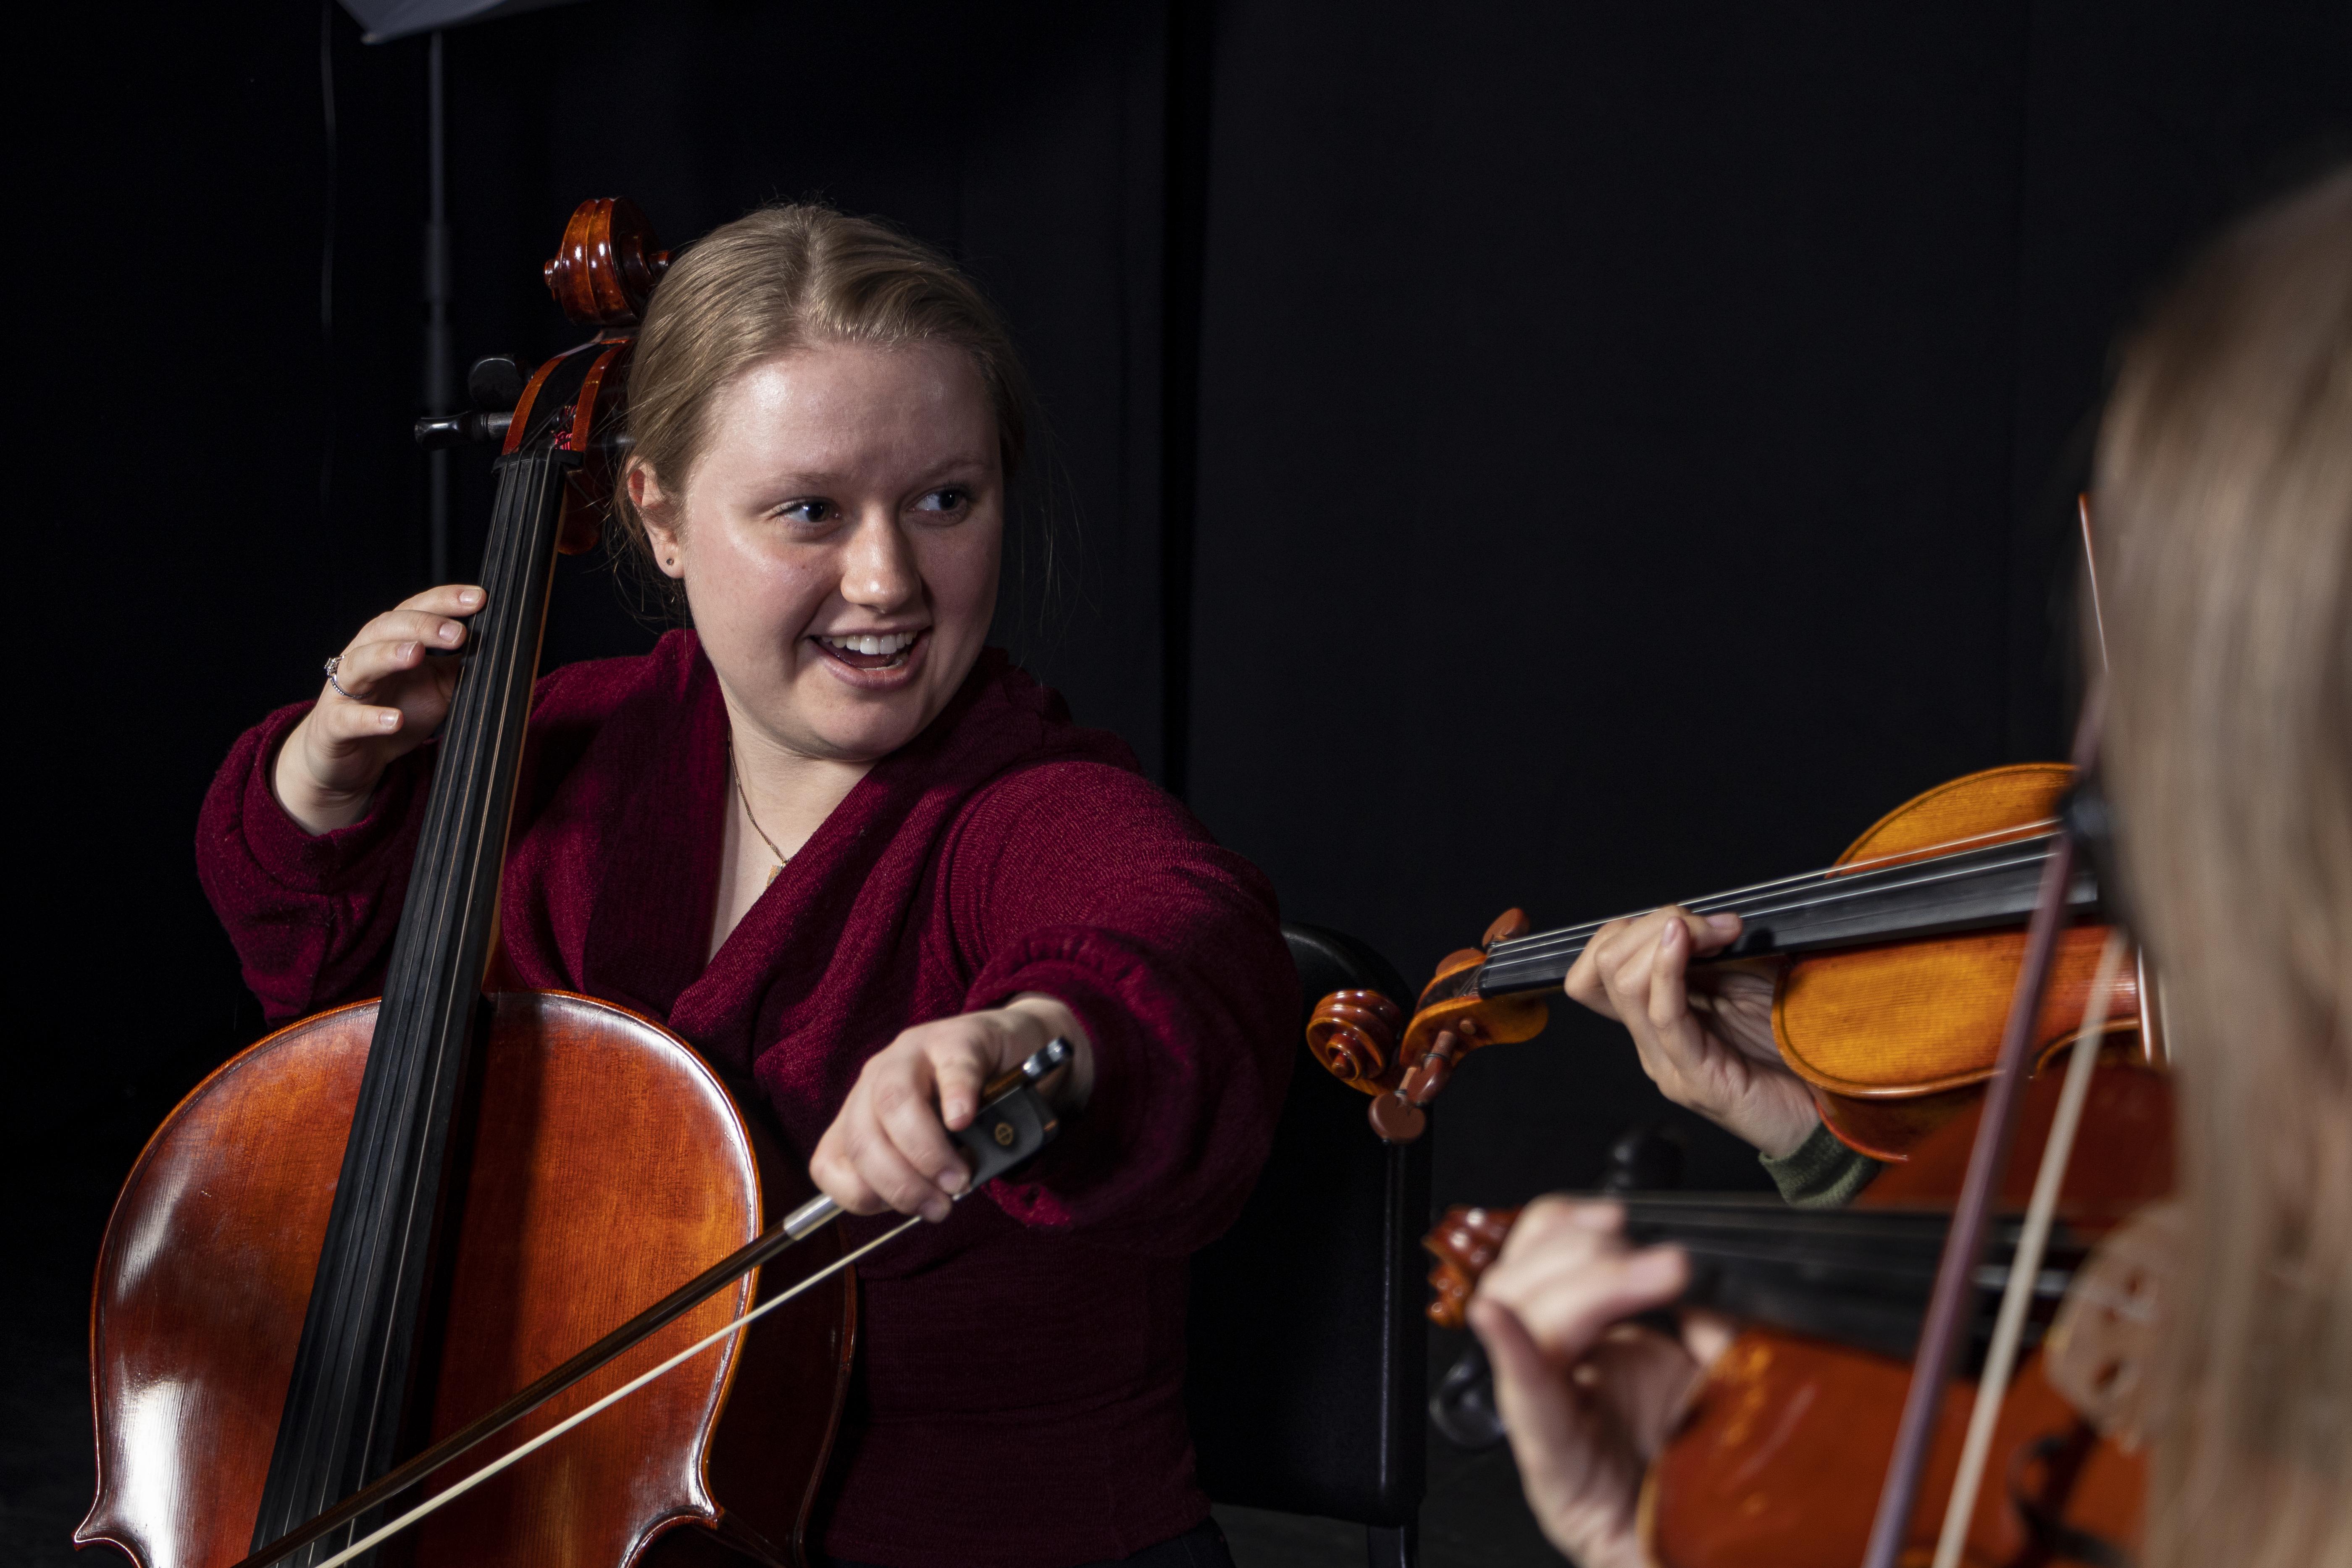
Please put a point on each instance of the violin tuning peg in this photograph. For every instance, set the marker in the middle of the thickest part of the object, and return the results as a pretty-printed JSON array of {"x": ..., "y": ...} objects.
[
  {"x": 1397, "y": 1119},
  {"x": 1429, "y": 1076},
  {"x": 1509, "y": 926}
]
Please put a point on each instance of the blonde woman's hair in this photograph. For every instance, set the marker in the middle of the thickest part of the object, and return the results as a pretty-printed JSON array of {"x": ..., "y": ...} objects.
[
  {"x": 788, "y": 277},
  {"x": 2224, "y": 497}
]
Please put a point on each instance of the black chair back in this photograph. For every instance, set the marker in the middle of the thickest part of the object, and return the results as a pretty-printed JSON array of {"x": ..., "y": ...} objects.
[{"x": 1308, "y": 1348}]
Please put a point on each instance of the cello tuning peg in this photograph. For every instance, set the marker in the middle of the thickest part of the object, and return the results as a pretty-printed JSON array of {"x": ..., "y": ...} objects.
[
  {"x": 495, "y": 383},
  {"x": 441, "y": 430}
]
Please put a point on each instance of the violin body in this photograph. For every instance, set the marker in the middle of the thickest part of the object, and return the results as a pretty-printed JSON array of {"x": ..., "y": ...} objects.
[
  {"x": 605, "y": 1164},
  {"x": 1894, "y": 1039},
  {"x": 1777, "y": 1458}
]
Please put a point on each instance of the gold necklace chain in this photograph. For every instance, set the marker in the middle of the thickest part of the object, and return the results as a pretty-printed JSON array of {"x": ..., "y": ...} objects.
[{"x": 736, "y": 774}]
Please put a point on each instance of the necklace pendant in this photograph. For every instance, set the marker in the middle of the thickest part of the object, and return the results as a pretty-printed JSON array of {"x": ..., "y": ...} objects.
[{"x": 772, "y": 874}]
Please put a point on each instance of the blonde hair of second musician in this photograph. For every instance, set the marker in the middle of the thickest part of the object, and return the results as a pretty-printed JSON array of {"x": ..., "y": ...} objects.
[{"x": 2224, "y": 503}]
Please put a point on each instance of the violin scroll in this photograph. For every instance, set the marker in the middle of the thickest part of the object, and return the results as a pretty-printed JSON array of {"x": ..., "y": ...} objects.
[
  {"x": 1354, "y": 1034},
  {"x": 1465, "y": 1244},
  {"x": 606, "y": 269}
]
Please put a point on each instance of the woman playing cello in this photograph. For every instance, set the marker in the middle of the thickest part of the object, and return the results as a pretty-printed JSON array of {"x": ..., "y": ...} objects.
[
  {"x": 854, "y": 856},
  {"x": 2224, "y": 491}
]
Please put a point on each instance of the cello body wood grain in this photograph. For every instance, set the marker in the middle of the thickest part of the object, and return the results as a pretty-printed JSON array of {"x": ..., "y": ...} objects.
[{"x": 606, "y": 1165}]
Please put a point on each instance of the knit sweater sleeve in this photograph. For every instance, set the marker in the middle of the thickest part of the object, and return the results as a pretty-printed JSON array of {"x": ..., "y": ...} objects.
[
  {"x": 1084, "y": 883},
  {"x": 311, "y": 916},
  {"x": 1821, "y": 1172}
]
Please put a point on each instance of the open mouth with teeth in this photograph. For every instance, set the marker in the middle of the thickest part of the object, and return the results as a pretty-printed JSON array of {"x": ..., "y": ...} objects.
[{"x": 886, "y": 650}]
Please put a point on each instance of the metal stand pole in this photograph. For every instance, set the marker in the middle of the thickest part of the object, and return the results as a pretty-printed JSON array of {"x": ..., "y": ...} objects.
[{"x": 440, "y": 359}]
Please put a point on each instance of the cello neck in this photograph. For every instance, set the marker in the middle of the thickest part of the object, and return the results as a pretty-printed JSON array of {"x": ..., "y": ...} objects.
[
  {"x": 347, "y": 1406},
  {"x": 1974, "y": 888}
]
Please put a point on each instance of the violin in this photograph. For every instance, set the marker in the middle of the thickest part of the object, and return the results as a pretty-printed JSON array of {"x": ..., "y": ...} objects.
[
  {"x": 360, "y": 1233},
  {"x": 1897, "y": 964},
  {"x": 1774, "y": 1457}
]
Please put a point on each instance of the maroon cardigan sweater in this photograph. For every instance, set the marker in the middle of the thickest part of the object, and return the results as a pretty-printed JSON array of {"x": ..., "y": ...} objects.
[{"x": 1020, "y": 1402}]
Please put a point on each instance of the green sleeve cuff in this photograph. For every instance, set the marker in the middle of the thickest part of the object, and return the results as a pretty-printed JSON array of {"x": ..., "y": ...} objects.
[{"x": 1821, "y": 1172}]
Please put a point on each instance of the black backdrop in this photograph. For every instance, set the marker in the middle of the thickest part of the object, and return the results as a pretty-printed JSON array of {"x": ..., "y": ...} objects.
[{"x": 1568, "y": 455}]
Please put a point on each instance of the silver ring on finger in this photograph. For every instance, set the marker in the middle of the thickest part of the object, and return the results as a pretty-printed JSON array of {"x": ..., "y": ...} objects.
[{"x": 334, "y": 665}]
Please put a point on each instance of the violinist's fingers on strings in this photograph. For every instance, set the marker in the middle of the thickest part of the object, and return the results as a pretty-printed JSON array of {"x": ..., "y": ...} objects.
[
  {"x": 1582, "y": 1475},
  {"x": 1568, "y": 1274},
  {"x": 1588, "y": 977}
]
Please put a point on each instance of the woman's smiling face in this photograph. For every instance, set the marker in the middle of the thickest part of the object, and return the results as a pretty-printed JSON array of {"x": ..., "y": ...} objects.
[{"x": 839, "y": 540}]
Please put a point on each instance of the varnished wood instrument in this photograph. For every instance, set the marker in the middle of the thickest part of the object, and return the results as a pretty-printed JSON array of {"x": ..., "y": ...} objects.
[
  {"x": 1777, "y": 1456},
  {"x": 368, "y": 1229},
  {"x": 1895, "y": 969}
]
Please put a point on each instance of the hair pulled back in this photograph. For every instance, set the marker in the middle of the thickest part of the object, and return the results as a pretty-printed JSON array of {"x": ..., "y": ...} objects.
[{"x": 789, "y": 277}]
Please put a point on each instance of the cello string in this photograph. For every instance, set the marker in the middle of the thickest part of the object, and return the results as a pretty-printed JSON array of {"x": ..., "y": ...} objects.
[
  {"x": 577, "y": 1417},
  {"x": 1994, "y": 1383},
  {"x": 2024, "y": 832},
  {"x": 1557, "y": 944}
]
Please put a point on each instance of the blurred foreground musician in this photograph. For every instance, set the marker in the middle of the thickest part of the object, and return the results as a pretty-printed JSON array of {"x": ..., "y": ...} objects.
[{"x": 2224, "y": 501}]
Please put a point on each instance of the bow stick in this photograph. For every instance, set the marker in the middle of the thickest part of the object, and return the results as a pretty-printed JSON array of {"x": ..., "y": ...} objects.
[{"x": 1013, "y": 1123}]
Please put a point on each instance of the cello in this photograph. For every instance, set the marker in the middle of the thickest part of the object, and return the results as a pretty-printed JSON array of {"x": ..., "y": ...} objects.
[{"x": 359, "y": 1233}]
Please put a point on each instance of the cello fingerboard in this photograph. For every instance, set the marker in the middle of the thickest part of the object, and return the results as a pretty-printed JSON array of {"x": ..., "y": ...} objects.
[{"x": 347, "y": 1403}]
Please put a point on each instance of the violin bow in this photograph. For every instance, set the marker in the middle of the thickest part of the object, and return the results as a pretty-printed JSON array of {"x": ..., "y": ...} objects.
[
  {"x": 1015, "y": 1122},
  {"x": 1993, "y": 1387},
  {"x": 1949, "y": 1308}
]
